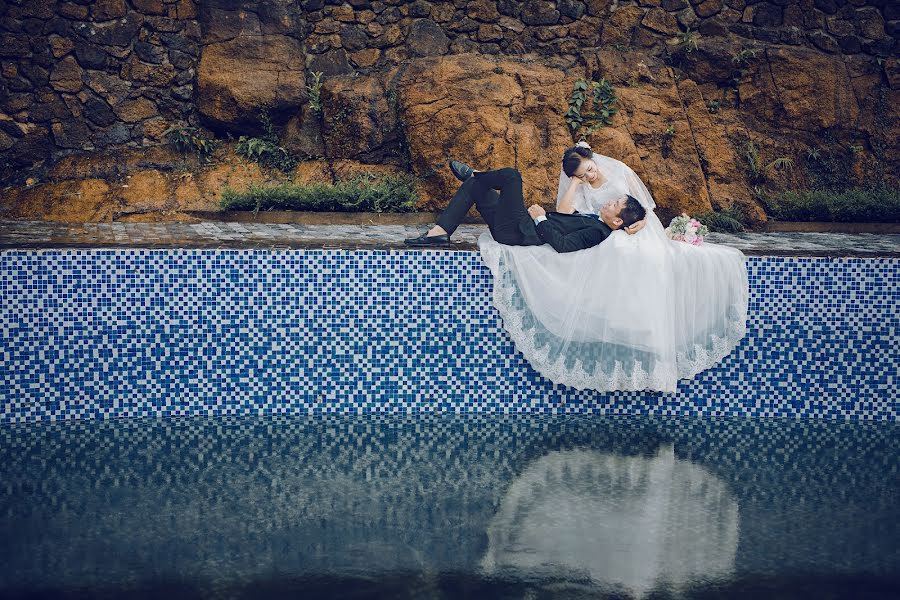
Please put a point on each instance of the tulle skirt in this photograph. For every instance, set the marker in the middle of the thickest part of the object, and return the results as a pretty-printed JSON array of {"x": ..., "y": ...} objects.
[{"x": 637, "y": 312}]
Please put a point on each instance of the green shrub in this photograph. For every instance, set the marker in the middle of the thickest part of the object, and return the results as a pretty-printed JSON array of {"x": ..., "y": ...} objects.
[
  {"x": 265, "y": 150},
  {"x": 364, "y": 193},
  {"x": 591, "y": 105},
  {"x": 191, "y": 140},
  {"x": 881, "y": 205},
  {"x": 729, "y": 220}
]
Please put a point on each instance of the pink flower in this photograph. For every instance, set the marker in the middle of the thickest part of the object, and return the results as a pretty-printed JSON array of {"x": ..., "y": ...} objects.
[{"x": 697, "y": 240}]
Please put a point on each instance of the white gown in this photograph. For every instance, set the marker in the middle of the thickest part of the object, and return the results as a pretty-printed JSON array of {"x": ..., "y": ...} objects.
[{"x": 633, "y": 313}]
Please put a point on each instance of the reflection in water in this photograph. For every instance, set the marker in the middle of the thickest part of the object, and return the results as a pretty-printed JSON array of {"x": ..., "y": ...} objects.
[
  {"x": 440, "y": 507},
  {"x": 629, "y": 522}
]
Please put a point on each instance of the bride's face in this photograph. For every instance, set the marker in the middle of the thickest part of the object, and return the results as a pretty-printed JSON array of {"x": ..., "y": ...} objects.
[{"x": 587, "y": 170}]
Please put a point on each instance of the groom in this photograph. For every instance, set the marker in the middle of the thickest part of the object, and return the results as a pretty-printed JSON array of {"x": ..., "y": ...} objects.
[{"x": 504, "y": 212}]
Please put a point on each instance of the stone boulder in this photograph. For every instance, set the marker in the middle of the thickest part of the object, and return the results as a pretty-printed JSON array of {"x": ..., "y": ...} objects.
[
  {"x": 654, "y": 136},
  {"x": 360, "y": 119},
  {"x": 800, "y": 89},
  {"x": 719, "y": 163},
  {"x": 239, "y": 77},
  {"x": 488, "y": 113}
]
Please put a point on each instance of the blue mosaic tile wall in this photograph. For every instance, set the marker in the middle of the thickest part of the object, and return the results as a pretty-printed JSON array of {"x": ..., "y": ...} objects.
[{"x": 117, "y": 333}]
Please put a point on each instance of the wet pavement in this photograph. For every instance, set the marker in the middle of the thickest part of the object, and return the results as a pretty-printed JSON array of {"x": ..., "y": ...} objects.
[{"x": 218, "y": 234}]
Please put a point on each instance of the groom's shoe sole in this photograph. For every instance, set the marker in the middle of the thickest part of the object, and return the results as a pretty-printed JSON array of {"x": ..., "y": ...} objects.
[
  {"x": 425, "y": 241},
  {"x": 461, "y": 171}
]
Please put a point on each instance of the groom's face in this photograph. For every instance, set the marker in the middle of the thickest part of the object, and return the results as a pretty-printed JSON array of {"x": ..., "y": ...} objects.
[{"x": 609, "y": 212}]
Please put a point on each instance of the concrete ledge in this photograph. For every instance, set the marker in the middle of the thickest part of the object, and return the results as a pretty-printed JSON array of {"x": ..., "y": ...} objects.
[
  {"x": 377, "y": 235},
  {"x": 826, "y": 227}
]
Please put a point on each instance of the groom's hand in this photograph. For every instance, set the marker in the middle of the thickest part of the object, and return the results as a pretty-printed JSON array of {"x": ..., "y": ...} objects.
[{"x": 536, "y": 211}]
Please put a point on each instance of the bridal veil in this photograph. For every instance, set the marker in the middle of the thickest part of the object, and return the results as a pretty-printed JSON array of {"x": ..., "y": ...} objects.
[{"x": 633, "y": 313}]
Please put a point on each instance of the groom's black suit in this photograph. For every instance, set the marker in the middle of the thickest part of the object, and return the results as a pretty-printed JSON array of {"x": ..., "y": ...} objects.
[{"x": 509, "y": 221}]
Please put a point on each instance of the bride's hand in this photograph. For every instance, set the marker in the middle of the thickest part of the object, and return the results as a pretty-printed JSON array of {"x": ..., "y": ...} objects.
[
  {"x": 635, "y": 227},
  {"x": 576, "y": 181}
]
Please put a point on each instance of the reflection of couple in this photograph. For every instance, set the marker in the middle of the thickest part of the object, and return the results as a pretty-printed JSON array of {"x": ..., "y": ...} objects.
[{"x": 635, "y": 312}]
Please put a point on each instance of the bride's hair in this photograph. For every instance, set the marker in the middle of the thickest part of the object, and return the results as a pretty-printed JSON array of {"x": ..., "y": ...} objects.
[{"x": 572, "y": 158}]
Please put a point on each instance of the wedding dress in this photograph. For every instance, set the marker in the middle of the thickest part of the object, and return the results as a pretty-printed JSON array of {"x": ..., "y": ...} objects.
[{"x": 633, "y": 313}]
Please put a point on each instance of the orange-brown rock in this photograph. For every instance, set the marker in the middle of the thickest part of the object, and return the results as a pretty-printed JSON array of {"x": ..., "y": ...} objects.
[
  {"x": 237, "y": 78},
  {"x": 800, "y": 89},
  {"x": 348, "y": 169},
  {"x": 360, "y": 119},
  {"x": 720, "y": 165},
  {"x": 203, "y": 190},
  {"x": 66, "y": 75},
  {"x": 652, "y": 116},
  {"x": 488, "y": 113},
  {"x": 621, "y": 24},
  {"x": 66, "y": 201},
  {"x": 144, "y": 191},
  {"x": 132, "y": 111},
  {"x": 312, "y": 171}
]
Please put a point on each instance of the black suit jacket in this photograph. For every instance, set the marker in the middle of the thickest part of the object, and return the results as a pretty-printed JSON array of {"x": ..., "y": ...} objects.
[{"x": 568, "y": 232}]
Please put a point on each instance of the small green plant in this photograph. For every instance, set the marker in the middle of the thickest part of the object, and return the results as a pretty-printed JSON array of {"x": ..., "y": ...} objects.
[
  {"x": 812, "y": 154},
  {"x": 730, "y": 220},
  {"x": 781, "y": 163},
  {"x": 191, "y": 140},
  {"x": 600, "y": 96},
  {"x": 688, "y": 40},
  {"x": 856, "y": 149},
  {"x": 620, "y": 47},
  {"x": 667, "y": 135},
  {"x": 880, "y": 204},
  {"x": 314, "y": 90},
  {"x": 363, "y": 193},
  {"x": 713, "y": 106},
  {"x": 752, "y": 161},
  {"x": 265, "y": 150},
  {"x": 744, "y": 57}
]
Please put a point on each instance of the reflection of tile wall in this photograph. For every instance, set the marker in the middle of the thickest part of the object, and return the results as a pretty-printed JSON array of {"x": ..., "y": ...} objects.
[{"x": 90, "y": 333}]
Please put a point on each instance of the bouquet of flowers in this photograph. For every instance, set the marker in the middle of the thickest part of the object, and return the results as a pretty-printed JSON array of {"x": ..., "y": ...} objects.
[{"x": 685, "y": 228}]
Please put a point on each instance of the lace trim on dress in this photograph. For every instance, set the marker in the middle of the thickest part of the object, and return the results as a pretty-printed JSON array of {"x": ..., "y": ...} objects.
[{"x": 663, "y": 377}]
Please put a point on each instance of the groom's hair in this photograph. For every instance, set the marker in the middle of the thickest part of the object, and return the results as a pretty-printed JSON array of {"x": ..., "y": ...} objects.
[
  {"x": 572, "y": 158},
  {"x": 632, "y": 212}
]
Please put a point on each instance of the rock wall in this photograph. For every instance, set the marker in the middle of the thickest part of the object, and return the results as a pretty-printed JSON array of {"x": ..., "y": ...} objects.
[
  {"x": 409, "y": 83},
  {"x": 81, "y": 76}
]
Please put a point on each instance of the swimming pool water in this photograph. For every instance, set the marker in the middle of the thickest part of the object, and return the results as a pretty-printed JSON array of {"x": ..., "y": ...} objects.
[{"x": 431, "y": 506}]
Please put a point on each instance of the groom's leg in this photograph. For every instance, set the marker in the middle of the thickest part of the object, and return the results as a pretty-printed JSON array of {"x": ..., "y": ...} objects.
[
  {"x": 470, "y": 192},
  {"x": 509, "y": 207}
]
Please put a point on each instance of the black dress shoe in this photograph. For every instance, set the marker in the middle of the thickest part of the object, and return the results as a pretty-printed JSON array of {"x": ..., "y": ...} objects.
[
  {"x": 428, "y": 240},
  {"x": 462, "y": 171}
]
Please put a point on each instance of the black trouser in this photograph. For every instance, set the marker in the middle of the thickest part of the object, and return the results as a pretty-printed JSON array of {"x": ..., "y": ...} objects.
[{"x": 503, "y": 212}]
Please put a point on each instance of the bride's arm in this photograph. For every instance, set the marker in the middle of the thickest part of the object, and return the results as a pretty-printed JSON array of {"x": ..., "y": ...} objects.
[
  {"x": 635, "y": 227},
  {"x": 566, "y": 204}
]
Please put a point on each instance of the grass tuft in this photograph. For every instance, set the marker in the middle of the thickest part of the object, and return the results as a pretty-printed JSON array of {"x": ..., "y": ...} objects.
[
  {"x": 363, "y": 193},
  {"x": 859, "y": 205}
]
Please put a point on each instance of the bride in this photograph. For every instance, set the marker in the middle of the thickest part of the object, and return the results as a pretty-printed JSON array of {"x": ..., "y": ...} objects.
[{"x": 637, "y": 312}]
